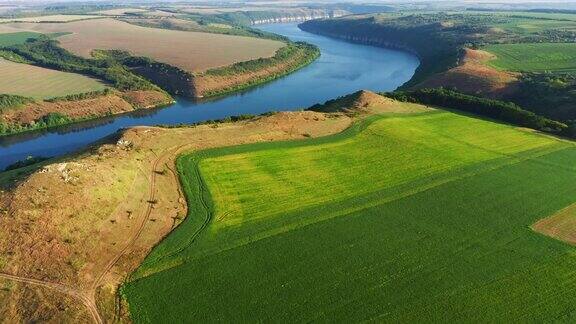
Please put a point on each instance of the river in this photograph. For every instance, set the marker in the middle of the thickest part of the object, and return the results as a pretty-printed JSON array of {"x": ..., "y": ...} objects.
[{"x": 343, "y": 68}]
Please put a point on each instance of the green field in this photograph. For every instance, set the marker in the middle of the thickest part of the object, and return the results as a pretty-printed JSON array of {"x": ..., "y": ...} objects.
[
  {"x": 540, "y": 57},
  {"x": 526, "y": 26},
  {"x": 41, "y": 83},
  {"x": 16, "y": 38},
  {"x": 401, "y": 218}
]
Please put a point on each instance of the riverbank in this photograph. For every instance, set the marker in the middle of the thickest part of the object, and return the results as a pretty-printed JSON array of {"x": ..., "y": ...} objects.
[
  {"x": 494, "y": 55},
  {"x": 227, "y": 79},
  {"x": 245, "y": 75},
  {"x": 342, "y": 68},
  {"x": 38, "y": 115},
  {"x": 435, "y": 54}
]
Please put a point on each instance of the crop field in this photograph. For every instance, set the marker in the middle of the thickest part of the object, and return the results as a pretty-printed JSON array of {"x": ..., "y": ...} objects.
[
  {"x": 193, "y": 51},
  {"x": 41, "y": 83},
  {"x": 401, "y": 218},
  {"x": 527, "y": 26},
  {"x": 120, "y": 11},
  {"x": 50, "y": 18},
  {"x": 554, "y": 57},
  {"x": 8, "y": 39}
]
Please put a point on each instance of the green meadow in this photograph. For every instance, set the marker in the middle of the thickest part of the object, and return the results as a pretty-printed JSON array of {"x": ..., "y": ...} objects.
[
  {"x": 415, "y": 217},
  {"x": 526, "y": 24},
  {"x": 10, "y": 39},
  {"x": 536, "y": 57}
]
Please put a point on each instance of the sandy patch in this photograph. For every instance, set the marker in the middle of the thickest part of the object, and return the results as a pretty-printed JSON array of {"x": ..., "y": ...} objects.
[
  {"x": 473, "y": 76},
  {"x": 561, "y": 226}
]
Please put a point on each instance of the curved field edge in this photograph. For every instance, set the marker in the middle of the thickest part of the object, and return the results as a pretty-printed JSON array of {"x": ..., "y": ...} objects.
[
  {"x": 64, "y": 111},
  {"x": 112, "y": 186},
  {"x": 200, "y": 201},
  {"x": 534, "y": 162}
]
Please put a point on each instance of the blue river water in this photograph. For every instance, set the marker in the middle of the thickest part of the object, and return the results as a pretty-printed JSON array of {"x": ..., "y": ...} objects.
[{"x": 343, "y": 68}]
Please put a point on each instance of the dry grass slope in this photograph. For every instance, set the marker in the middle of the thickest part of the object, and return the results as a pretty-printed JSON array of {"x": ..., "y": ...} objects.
[{"x": 474, "y": 76}]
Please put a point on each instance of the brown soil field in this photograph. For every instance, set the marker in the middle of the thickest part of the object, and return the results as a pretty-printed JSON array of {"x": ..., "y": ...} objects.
[
  {"x": 5, "y": 29},
  {"x": 190, "y": 51},
  {"x": 473, "y": 76},
  {"x": 45, "y": 304},
  {"x": 159, "y": 13},
  {"x": 82, "y": 223},
  {"x": 561, "y": 226},
  {"x": 115, "y": 103}
]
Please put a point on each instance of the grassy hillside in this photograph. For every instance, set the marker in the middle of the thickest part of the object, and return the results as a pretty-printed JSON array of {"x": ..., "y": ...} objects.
[
  {"x": 553, "y": 57},
  {"x": 419, "y": 217}
]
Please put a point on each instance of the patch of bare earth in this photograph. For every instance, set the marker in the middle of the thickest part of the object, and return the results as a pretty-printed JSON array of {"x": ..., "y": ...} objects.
[
  {"x": 115, "y": 103},
  {"x": 145, "y": 98},
  {"x": 43, "y": 305},
  {"x": 561, "y": 226},
  {"x": 473, "y": 76},
  {"x": 365, "y": 101}
]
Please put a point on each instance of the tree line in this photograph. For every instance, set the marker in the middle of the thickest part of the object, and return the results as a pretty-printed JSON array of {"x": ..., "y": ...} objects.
[{"x": 495, "y": 109}]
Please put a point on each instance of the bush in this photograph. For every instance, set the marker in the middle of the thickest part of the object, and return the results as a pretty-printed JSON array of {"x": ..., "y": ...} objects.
[
  {"x": 8, "y": 102},
  {"x": 81, "y": 96}
]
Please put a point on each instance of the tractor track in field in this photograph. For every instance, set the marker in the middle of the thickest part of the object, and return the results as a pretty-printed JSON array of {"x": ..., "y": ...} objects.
[
  {"x": 88, "y": 299},
  {"x": 88, "y": 302},
  {"x": 151, "y": 201},
  {"x": 207, "y": 219}
]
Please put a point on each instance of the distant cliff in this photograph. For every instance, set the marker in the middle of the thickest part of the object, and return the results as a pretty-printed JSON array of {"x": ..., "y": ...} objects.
[
  {"x": 285, "y": 16},
  {"x": 436, "y": 54},
  {"x": 300, "y": 17}
]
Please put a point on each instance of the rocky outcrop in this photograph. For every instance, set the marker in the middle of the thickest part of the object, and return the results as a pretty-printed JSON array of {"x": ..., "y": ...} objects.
[
  {"x": 364, "y": 39},
  {"x": 300, "y": 17}
]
